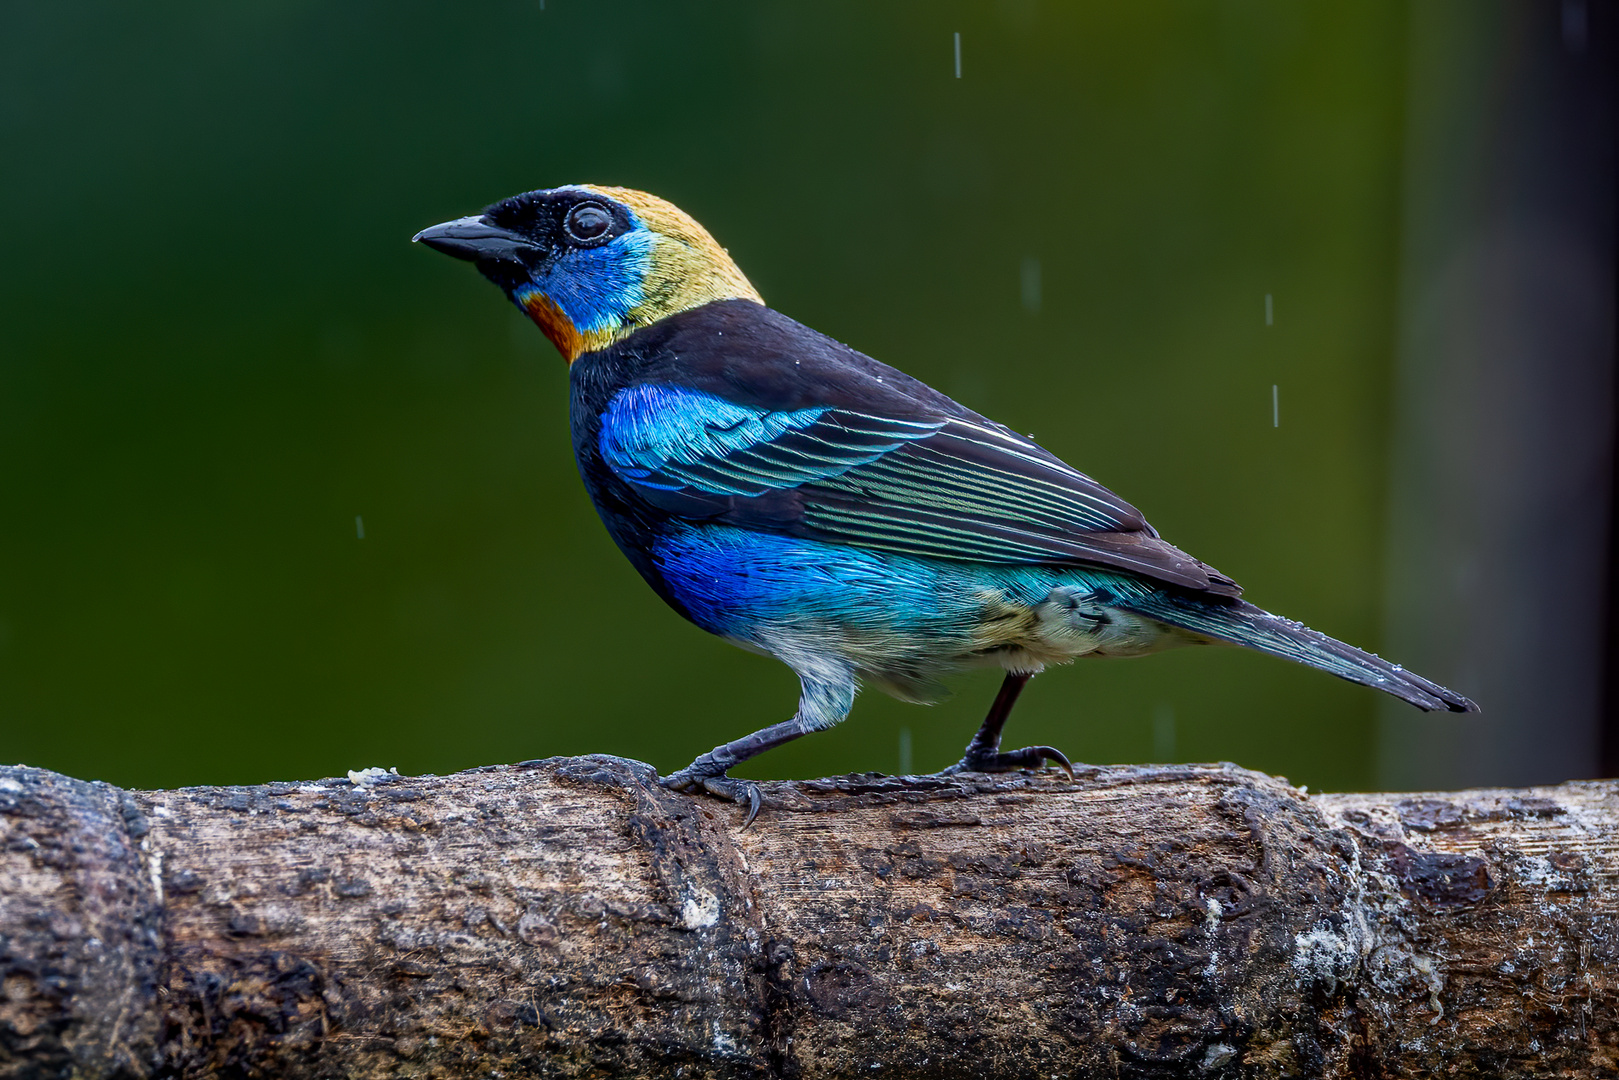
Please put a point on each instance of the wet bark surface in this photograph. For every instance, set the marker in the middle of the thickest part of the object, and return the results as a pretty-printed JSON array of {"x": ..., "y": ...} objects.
[{"x": 571, "y": 918}]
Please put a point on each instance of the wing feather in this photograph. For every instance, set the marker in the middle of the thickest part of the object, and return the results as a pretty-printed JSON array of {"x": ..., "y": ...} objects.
[{"x": 940, "y": 486}]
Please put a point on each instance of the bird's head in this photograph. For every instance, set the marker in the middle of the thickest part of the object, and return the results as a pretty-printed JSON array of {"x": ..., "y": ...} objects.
[{"x": 591, "y": 264}]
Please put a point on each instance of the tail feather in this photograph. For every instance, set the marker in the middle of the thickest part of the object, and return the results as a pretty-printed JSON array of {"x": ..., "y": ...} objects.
[{"x": 1241, "y": 623}]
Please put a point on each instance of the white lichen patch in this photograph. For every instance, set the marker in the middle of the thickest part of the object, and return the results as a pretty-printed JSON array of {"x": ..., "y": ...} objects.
[
  {"x": 1393, "y": 969},
  {"x": 1429, "y": 971},
  {"x": 154, "y": 868},
  {"x": 1211, "y": 921},
  {"x": 1541, "y": 873},
  {"x": 723, "y": 1043},
  {"x": 371, "y": 776},
  {"x": 699, "y": 911},
  {"x": 1325, "y": 956}
]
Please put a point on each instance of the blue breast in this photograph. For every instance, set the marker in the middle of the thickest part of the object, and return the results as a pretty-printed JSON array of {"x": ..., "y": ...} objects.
[{"x": 734, "y": 581}]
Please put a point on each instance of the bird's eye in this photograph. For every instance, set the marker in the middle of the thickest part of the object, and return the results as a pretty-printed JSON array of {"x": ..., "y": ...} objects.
[{"x": 588, "y": 221}]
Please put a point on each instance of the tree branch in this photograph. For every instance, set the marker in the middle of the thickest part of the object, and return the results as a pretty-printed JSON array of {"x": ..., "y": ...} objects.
[{"x": 569, "y": 918}]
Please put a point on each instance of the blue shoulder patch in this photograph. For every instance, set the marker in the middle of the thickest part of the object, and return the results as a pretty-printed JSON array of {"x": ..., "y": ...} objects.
[
  {"x": 676, "y": 439},
  {"x": 651, "y": 429}
]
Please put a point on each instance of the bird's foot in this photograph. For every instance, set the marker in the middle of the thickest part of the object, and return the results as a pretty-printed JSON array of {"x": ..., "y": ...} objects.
[
  {"x": 1030, "y": 757},
  {"x": 694, "y": 779}
]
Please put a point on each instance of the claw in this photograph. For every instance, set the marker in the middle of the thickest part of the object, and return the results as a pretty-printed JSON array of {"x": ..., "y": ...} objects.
[
  {"x": 729, "y": 788},
  {"x": 1051, "y": 753},
  {"x": 737, "y": 791},
  {"x": 1030, "y": 757}
]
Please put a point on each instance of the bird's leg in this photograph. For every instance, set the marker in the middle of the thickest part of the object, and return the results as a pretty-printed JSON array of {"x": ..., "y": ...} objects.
[
  {"x": 984, "y": 753},
  {"x": 707, "y": 773},
  {"x": 828, "y": 691}
]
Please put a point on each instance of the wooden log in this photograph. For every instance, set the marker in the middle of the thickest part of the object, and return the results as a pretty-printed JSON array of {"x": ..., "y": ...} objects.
[{"x": 571, "y": 918}]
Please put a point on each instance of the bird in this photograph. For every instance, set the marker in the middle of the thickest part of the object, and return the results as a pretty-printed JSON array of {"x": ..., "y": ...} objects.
[{"x": 802, "y": 500}]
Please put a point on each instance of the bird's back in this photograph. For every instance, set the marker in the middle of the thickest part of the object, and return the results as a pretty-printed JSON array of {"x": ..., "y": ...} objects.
[{"x": 902, "y": 467}]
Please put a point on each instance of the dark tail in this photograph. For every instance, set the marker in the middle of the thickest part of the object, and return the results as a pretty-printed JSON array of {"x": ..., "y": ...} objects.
[{"x": 1241, "y": 623}]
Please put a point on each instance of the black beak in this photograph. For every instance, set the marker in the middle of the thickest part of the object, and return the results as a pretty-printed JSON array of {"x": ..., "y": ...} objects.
[{"x": 476, "y": 239}]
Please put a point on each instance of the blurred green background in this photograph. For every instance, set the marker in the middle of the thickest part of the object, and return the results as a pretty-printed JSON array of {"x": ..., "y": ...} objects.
[{"x": 220, "y": 349}]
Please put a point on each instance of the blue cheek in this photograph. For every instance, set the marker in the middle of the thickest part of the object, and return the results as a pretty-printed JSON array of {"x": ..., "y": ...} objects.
[{"x": 596, "y": 288}]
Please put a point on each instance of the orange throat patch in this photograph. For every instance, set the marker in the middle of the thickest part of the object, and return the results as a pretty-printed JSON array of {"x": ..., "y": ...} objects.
[{"x": 555, "y": 325}]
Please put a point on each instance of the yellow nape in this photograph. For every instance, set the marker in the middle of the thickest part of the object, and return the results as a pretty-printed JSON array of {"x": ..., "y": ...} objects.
[{"x": 688, "y": 268}]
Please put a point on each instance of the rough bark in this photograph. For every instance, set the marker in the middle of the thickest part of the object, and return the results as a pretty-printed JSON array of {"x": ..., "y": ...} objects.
[{"x": 570, "y": 918}]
